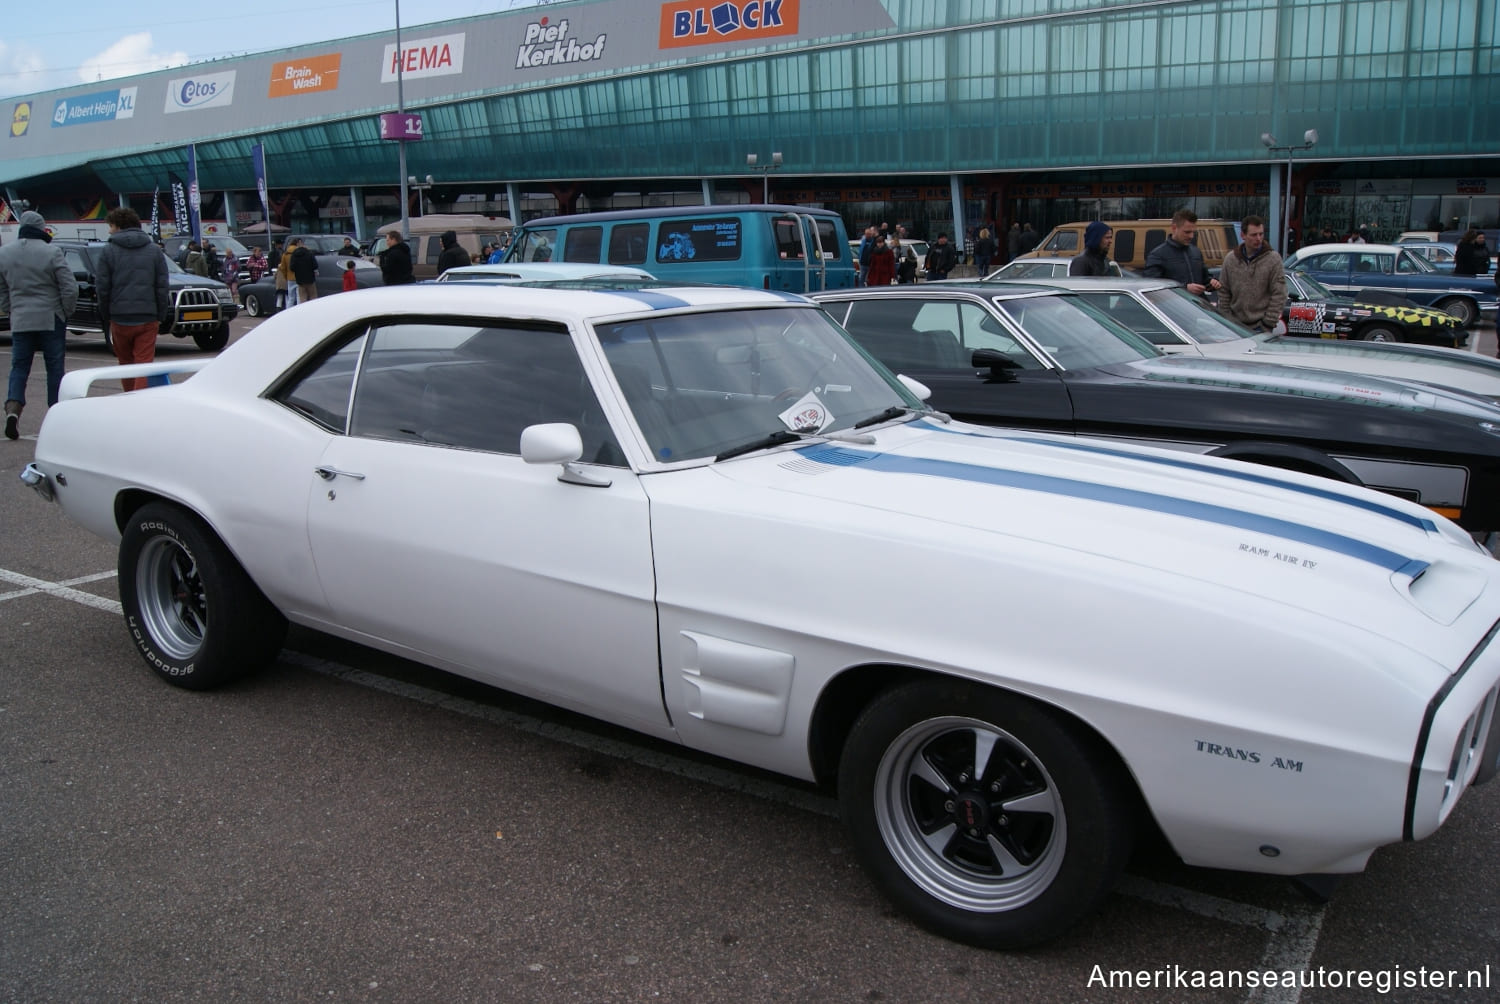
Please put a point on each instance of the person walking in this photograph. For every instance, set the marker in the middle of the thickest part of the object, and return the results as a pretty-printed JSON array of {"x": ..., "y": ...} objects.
[
  {"x": 256, "y": 264},
  {"x": 1013, "y": 242},
  {"x": 1029, "y": 239},
  {"x": 1178, "y": 258},
  {"x": 984, "y": 252},
  {"x": 906, "y": 263},
  {"x": 941, "y": 259},
  {"x": 1471, "y": 257},
  {"x": 1252, "y": 282},
  {"x": 395, "y": 261},
  {"x": 304, "y": 267},
  {"x": 350, "y": 280},
  {"x": 453, "y": 256},
  {"x": 134, "y": 292},
  {"x": 195, "y": 262},
  {"x": 882, "y": 263},
  {"x": 1098, "y": 239},
  {"x": 862, "y": 256},
  {"x": 229, "y": 273},
  {"x": 38, "y": 291}
]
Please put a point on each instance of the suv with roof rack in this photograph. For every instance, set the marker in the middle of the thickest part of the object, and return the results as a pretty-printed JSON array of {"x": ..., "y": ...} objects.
[{"x": 201, "y": 309}]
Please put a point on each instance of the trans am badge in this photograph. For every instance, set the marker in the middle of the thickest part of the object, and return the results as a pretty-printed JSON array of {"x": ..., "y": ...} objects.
[{"x": 808, "y": 415}]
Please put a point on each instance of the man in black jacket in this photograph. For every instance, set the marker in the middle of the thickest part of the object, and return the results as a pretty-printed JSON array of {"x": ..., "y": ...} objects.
[
  {"x": 1098, "y": 238},
  {"x": 304, "y": 268},
  {"x": 453, "y": 255},
  {"x": 1178, "y": 257},
  {"x": 942, "y": 257},
  {"x": 395, "y": 261},
  {"x": 133, "y": 291}
]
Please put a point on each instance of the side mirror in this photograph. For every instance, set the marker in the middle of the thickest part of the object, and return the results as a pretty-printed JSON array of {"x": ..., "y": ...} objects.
[
  {"x": 921, "y": 390},
  {"x": 1000, "y": 365},
  {"x": 558, "y": 443}
]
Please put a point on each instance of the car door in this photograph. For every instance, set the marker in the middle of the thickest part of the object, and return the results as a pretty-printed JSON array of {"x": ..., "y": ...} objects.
[
  {"x": 432, "y": 536},
  {"x": 933, "y": 340},
  {"x": 86, "y": 313},
  {"x": 1333, "y": 269}
]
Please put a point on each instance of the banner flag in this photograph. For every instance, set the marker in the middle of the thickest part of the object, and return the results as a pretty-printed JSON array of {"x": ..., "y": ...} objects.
[
  {"x": 258, "y": 161},
  {"x": 195, "y": 197},
  {"x": 156, "y": 213},
  {"x": 179, "y": 204}
]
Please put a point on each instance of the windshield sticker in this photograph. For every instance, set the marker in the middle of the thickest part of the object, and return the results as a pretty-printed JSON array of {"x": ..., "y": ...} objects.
[{"x": 808, "y": 415}]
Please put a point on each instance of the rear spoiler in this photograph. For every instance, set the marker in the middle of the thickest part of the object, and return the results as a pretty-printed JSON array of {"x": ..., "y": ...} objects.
[{"x": 77, "y": 383}]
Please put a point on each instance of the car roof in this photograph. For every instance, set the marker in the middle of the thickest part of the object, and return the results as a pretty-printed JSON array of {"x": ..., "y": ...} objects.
[
  {"x": 1079, "y": 283},
  {"x": 675, "y": 212},
  {"x": 533, "y": 271},
  {"x": 1355, "y": 248},
  {"x": 945, "y": 287}
]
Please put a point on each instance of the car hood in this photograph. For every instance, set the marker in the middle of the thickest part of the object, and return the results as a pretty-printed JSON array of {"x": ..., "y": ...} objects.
[
  {"x": 1327, "y": 384},
  {"x": 1455, "y": 368},
  {"x": 1121, "y": 514},
  {"x": 181, "y": 280}
]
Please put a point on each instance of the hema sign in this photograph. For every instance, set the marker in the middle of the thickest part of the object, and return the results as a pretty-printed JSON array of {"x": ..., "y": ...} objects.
[
  {"x": 208, "y": 90},
  {"x": 438, "y": 56}
]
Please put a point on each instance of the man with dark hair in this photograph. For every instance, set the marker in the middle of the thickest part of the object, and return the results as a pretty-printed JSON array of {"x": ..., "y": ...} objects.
[
  {"x": 38, "y": 290},
  {"x": 395, "y": 261},
  {"x": 1178, "y": 256},
  {"x": 304, "y": 269},
  {"x": 134, "y": 294},
  {"x": 453, "y": 256},
  {"x": 1098, "y": 238},
  {"x": 942, "y": 258},
  {"x": 1252, "y": 286}
]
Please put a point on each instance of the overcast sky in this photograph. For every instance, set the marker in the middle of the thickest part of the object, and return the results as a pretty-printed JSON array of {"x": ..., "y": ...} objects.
[{"x": 45, "y": 46}]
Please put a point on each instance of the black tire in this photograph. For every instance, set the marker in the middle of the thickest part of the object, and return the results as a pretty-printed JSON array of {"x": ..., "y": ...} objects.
[
  {"x": 1005, "y": 876},
  {"x": 1457, "y": 306},
  {"x": 1379, "y": 333},
  {"x": 252, "y": 305},
  {"x": 214, "y": 340},
  {"x": 192, "y": 612}
]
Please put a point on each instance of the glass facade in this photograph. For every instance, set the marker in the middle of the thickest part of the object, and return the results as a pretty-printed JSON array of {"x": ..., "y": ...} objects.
[{"x": 1008, "y": 89}]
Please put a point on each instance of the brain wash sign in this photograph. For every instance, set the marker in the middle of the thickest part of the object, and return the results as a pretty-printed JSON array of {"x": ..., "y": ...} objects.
[
  {"x": 685, "y": 22},
  {"x": 103, "y": 106},
  {"x": 211, "y": 90}
]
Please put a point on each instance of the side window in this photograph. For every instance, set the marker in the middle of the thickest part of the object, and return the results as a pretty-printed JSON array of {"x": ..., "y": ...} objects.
[
  {"x": 1380, "y": 263},
  {"x": 980, "y": 330},
  {"x": 1328, "y": 263},
  {"x": 434, "y": 249},
  {"x": 321, "y": 393},
  {"x": 1153, "y": 238},
  {"x": 628, "y": 243},
  {"x": 534, "y": 245},
  {"x": 909, "y": 335},
  {"x": 1405, "y": 265},
  {"x": 583, "y": 244},
  {"x": 787, "y": 233},
  {"x": 1134, "y": 316},
  {"x": 698, "y": 240},
  {"x": 1123, "y": 248},
  {"x": 828, "y": 240},
  {"x": 475, "y": 388}
]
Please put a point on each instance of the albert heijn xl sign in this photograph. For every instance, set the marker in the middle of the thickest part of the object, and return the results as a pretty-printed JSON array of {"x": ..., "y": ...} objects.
[{"x": 685, "y": 22}]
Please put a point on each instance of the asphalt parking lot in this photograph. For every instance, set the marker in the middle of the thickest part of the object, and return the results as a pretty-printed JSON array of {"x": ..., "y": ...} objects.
[{"x": 348, "y": 826}]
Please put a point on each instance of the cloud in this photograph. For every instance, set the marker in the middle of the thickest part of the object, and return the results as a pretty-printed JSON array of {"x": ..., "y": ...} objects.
[
  {"x": 130, "y": 55},
  {"x": 21, "y": 69}
]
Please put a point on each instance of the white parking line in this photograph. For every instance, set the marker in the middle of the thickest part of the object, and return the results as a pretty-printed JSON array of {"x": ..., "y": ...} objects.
[{"x": 1291, "y": 936}]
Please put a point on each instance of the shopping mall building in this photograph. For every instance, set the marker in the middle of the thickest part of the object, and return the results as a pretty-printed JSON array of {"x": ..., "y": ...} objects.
[{"x": 940, "y": 114}]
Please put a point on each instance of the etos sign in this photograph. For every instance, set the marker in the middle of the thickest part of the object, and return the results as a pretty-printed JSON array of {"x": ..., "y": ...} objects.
[{"x": 685, "y": 22}]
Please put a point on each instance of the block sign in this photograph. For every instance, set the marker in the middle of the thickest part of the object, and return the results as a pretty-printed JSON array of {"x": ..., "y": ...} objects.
[{"x": 400, "y": 125}]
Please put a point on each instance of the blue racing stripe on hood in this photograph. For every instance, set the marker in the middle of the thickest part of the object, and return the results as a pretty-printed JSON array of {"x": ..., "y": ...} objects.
[
  {"x": 656, "y": 301},
  {"x": 889, "y": 463},
  {"x": 1370, "y": 505}
]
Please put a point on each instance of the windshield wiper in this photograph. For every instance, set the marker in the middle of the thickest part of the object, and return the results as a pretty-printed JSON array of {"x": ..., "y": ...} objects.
[
  {"x": 778, "y": 438},
  {"x": 897, "y": 410}
]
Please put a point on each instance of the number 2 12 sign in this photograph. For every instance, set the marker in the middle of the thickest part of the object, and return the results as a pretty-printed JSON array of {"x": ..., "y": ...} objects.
[{"x": 400, "y": 125}]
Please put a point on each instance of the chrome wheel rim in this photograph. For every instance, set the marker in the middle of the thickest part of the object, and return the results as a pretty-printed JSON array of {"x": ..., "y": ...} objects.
[
  {"x": 252, "y": 306},
  {"x": 173, "y": 606},
  {"x": 970, "y": 814},
  {"x": 1459, "y": 309}
]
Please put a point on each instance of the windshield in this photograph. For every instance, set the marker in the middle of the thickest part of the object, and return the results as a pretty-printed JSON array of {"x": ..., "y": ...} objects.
[
  {"x": 1195, "y": 317},
  {"x": 1075, "y": 334},
  {"x": 532, "y": 245},
  {"x": 703, "y": 384},
  {"x": 1315, "y": 289},
  {"x": 1410, "y": 261}
]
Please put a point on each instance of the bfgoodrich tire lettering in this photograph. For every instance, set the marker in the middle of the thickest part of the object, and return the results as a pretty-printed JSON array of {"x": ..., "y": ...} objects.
[
  {"x": 192, "y": 612},
  {"x": 988, "y": 818}
]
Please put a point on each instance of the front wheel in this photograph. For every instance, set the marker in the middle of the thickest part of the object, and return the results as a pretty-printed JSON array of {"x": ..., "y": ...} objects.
[
  {"x": 1379, "y": 333},
  {"x": 192, "y": 612},
  {"x": 214, "y": 340},
  {"x": 988, "y": 818},
  {"x": 1456, "y": 306},
  {"x": 252, "y": 305}
]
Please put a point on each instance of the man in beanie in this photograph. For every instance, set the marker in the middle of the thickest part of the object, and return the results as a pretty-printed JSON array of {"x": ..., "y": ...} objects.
[
  {"x": 134, "y": 294},
  {"x": 1098, "y": 238},
  {"x": 1252, "y": 282},
  {"x": 453, "y": 254},
  {"x": 38, "y": 290}
]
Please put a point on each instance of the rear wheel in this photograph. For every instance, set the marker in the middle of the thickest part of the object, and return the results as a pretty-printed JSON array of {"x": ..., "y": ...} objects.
[
  {"x": 214, "y": 340},
  {"x": 988, "y": 818},
  {"x": 1461, "y": 308},
  {"x": 252, "y": 305},
  {"x": 192, "y": 612},
  {"x": 1379, "y": 333}
]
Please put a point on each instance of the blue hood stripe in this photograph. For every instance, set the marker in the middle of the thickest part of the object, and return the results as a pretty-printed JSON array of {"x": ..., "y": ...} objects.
[
  {"x": 889, "y": 463},
  {"x": 1370, "y": 505}
]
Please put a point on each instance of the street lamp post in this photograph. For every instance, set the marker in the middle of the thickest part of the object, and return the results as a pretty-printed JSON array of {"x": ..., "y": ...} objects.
[
  {"x": 1309, "y": 140},
  {"x": 401, "y": 144},
  {"x": 421, "y": 187},
  {"x": 753, "y": 162}
]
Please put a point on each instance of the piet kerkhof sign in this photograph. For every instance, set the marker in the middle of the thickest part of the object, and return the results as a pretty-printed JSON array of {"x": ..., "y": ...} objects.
[{"x": 549, "y": 44}]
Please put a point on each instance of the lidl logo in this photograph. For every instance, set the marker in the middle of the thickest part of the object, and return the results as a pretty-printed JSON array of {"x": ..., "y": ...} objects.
[
  {"x": 20, "y": 119},
  {"x": 685, "y": 22}
]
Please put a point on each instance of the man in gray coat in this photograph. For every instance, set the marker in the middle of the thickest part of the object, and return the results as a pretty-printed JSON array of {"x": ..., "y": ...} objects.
[
  {"x": 134, "y": 293},
  {"x": 38, "y": 290}
]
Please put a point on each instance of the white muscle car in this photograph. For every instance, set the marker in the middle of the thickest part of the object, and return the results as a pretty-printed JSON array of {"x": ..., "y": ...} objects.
[{"x": 707, "y": 515}]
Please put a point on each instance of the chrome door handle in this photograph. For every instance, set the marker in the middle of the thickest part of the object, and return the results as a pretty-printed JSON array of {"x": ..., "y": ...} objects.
[{"x": 329, "y": 473}]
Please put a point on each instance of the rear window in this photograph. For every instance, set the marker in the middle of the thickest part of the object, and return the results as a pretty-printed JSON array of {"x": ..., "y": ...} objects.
[
  {"x": 788, "y": 235},
  {"x": 698, "y": 240},
  {"x": 828, "y": 237},
  {"x": 583, "y": 244},
  {"x": 628, "y": 243},
  {"x": 1123, "y": 249}
]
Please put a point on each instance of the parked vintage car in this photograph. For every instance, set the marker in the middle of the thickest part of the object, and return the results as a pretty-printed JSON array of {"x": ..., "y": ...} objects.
[
  {"x": 259, "y": 297},
  {"x": 1038, "y": 357},
  {"x": 704, "y": 515},
  {"x": 535, "y": 271},
  {"x": 1023, "y": 269},
  {"x": 1314, "y": 311},
  {"x": 1439, "y": 253},
  {"x": 200, "y": 308},
  {"x": 1399, "y": 270}
]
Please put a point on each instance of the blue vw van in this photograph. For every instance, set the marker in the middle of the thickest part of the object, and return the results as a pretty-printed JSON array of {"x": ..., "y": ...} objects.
[{"x": 788, "y": 248}]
